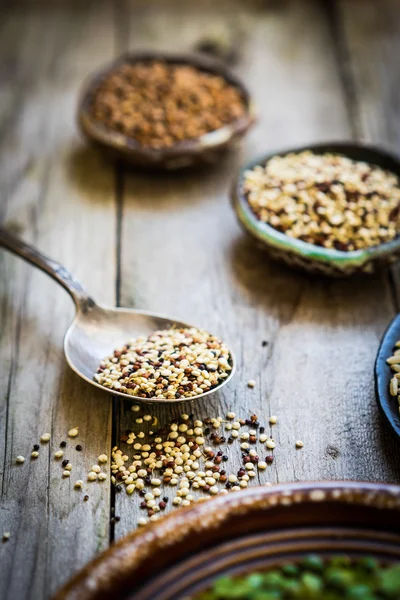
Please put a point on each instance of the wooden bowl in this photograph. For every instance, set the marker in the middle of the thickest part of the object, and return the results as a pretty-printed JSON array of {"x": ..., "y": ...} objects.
[
  {"x": 387, "y": 404},
  {"x": 307, "y": 256},
  {"x": 254, "y": 529},
  {"x": 205, "y": 149}
]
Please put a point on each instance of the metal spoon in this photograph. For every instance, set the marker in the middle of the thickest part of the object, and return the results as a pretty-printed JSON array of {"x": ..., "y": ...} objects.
[{"x": 97, "y": 330}]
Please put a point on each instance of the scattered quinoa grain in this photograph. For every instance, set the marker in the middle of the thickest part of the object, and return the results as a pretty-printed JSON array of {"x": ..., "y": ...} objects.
[
  {"x": 34, "y": 454},
  {"x": 59, "y": 454},
  {"x": 78, "y": 484},
  {"x": 299, "y": 444},
  {"x": 103, "y": 458},
  {"x": 45, "y": 438},
  {"x": 66, "y": 474},
  {"x": 73, "y": 432},
  {"x": 251, "y": 383},
  {"x": 273, "y": 420},
  {"x": 19, "y": 460}
]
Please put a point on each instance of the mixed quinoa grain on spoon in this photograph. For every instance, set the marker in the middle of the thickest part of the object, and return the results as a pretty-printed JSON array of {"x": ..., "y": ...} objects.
[{"x": 170, "y": 363}]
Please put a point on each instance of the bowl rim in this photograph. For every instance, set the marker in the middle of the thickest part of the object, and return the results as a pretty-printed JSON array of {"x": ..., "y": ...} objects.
[
  {"x": 216, "y": 139},
  {"x": 387, "y": 403},
  {"x": 127, "y": 554},
  {"x": 271, "y": 237}
]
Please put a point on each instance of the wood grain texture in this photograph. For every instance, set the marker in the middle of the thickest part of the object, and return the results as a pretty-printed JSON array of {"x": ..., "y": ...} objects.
[
  {"x": 183, "y": 253},
  {"x": 315, "y": 74},
  {"x": 55, "y": 193},
  {"x": 368, "y": 39}
]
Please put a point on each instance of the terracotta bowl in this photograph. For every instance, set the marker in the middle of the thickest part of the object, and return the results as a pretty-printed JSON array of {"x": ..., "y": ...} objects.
[
  {"x": 254, "y": 529},
  {"x": 387, "y": 404},
  {"x": 307, "y": 256},
  {"x": 203, "y": 150}
]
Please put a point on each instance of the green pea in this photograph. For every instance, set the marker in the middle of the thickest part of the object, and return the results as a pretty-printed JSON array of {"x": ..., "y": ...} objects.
[
  {"x": 359, "y": 592},
  {"x": 313, "y": 563},
  {"x": 312, "y": 584},
  {"x": 368, "y": 563},
  {"x": 290, "y": 570}
]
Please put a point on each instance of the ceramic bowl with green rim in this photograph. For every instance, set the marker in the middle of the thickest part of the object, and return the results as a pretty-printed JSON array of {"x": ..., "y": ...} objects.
[{"x": 311, "y": 257}]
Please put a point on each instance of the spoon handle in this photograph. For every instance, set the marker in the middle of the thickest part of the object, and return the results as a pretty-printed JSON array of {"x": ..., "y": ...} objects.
[{"x": 81, "y": 298}]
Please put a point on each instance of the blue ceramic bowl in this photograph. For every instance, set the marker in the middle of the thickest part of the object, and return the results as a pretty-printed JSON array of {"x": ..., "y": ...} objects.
[
  {"x": 387, "y": 403},
  {"x": 307, "y": 256}
]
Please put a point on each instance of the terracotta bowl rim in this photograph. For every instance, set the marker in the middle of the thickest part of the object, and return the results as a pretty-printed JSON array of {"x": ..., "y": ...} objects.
[
  {"x": 271, "y": 237},
  {"x": 127, "y": 554},
  {"x": 124, "y": 144}
]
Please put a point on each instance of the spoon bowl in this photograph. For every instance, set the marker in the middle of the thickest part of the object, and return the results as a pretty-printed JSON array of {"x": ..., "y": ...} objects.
[{"x": 97, "y": 330}]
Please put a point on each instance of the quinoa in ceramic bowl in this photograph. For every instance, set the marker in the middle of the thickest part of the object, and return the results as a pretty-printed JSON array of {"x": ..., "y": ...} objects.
[
  {"x": 331, "y": 208},
  {"x": 165, "y": 111}
]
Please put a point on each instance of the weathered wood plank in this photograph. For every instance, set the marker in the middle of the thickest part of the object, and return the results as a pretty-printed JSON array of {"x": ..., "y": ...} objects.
[
  {"x": 56, "y": 193},
  {"x": 370, "y": 43},
  {"x": 183, "y": 253}
]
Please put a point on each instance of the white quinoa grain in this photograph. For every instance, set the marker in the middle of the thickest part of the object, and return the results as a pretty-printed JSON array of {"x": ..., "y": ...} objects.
[
  {"x": 66, "y": 473},
  {"x": 273, "y": 420},
  {"x": 78, "y": 484},
  {"x": 92, "y": 476},
  {"x": 102, "y": 477},
  {"x": 262, "y": 465},
  {"x": 45, "y": 438},
  {"x": 103, "y": 458},
  {"x": 58, "y": 454},
  {"x": 19, "y": 460},
  {"x": 73, "y": 432},
  {"x": 251, "y": 383},
  {"x": 299, "y": 444},
  {"x": 34, "y": 454},
  {"x": 270, "y": 444}
]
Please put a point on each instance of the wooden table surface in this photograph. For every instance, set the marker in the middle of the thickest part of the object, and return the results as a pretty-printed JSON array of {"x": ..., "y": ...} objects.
[{"x": 318, "y": 70}]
